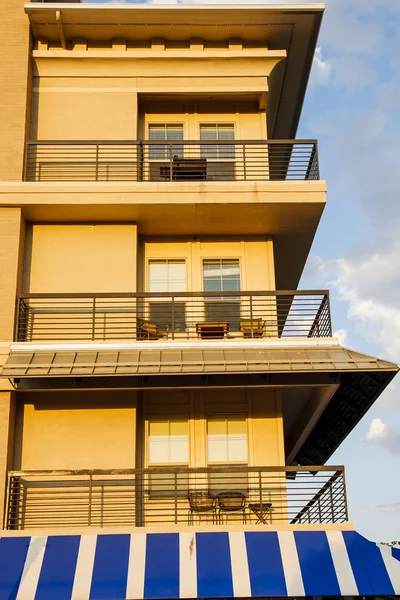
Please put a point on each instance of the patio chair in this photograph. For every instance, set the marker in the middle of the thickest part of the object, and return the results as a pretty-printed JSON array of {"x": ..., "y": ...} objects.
[
  {"x": 151, "y": 331},
  {"x": 201, "y": 503},
  {"x": 231, "y": 502},
  {"x": 253, "y": 328}
]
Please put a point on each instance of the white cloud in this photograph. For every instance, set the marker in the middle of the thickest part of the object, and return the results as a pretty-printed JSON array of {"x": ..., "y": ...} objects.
[
  {"x": 368, "y": 281},
  {"x": 385, "y": 436},
  {"x": 341, "y": 335},
  {"x": 322, "y": 69}
]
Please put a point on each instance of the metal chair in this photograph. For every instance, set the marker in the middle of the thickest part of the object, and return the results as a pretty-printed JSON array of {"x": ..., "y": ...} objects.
[
  {"x": 151, "y": 331},
  {"x": 201, "y": 503},
  {"x": 230, "y": 502}
]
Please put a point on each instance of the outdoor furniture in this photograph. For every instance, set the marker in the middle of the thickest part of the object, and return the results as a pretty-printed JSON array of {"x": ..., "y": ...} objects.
[
  {"x": 212, "y": 329},
  {"x": 231, "y": 502},
  {"x": 252, "y": 328},
  {"x": 262, "y": 510},
  {"x": 201, "y": 503},
  {"x": 151, "y": 331},
  {"x": 189, "y": 169}
]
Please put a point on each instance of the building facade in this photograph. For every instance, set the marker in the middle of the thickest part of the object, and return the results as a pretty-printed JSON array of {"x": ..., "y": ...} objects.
[{"x": 169, "y": 398}]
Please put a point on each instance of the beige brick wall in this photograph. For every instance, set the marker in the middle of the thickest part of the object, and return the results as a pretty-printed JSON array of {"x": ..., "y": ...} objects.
[
  {"x": 14, "y": 89},
  {"x": 7, "y": 425},
  {"x": 12, "y": 235}
]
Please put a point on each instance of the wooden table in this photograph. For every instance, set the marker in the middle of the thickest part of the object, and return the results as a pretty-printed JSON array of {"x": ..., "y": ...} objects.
[{"x": 212, "y": 329}]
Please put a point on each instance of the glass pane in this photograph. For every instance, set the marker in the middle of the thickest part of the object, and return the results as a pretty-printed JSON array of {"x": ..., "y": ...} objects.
[
  {"x": 231, "y": 285},
  {"x": 217, "y": 426},
  {"x": 217, "y": 450},
  {"x": 179, "y": 449},
  {"x": 220, "y": 171},
  {"x": 208, "y": 132},
  {"x": 236, "y": 425},
  {"x": 169, "y": 274},
  {"x": 161, "y": 314},
  {"x": 226, "y": 131},
  {"x": 179, "y": 427},
  {"x": 159, "y": 428},
  {"x": 212, "y": 285},
  {"x": 237, "y": 448},
  {"x": 158, "y": 449}
]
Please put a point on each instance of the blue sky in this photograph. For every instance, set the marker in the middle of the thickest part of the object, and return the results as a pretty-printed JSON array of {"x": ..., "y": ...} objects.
[{"x": 352, "y": 107}]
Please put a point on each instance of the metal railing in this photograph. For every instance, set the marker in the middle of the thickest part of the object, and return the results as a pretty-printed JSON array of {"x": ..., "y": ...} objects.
[
  {"x": 176, "y": 495},
  {"x": 173, "y": 316},
  {"x": 260, "y": 160}
]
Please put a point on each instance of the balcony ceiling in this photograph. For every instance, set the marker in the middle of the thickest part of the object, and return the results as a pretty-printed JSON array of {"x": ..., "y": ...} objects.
[{"x": 293, "y": 28}]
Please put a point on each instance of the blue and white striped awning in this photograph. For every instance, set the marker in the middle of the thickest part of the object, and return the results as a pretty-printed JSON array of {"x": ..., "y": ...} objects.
[{"x": 196, "y": 565}]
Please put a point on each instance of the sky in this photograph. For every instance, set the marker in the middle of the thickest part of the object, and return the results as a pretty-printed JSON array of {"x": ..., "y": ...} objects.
[{"x": 352, "y": 108}]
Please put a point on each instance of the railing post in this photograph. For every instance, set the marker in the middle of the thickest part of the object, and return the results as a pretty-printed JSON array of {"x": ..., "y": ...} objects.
[
  {"x": 171, "y": 164},
  {"x": 316, "y": 158},
  {"x": 94, "y": 319},
  {"x": 97, "y": 162},
  {"x": 25, "y": 165},
  {"x": 7, "y": 504},
  {"x": 346, "y": 510},
  {"x": 244, "y": 163},
  {"x": 90, "y": 499},
  {"x": 328, "y": 308},
  {"x": 176, "y": 497},
  {"x": 251, "y": 315},
  {"x": 332, "y": 503},
  {"x": 173, "y": 317}
]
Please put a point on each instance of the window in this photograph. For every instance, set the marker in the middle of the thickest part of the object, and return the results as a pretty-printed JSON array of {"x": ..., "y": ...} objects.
[
  {"x": 222, "y": 275},
  {"x": 227, "y": 439},
  {"x": 168, "y": 441},
  {"x": 168, "y": 444},
  {"x": 214, "y": 132},
  {"x": 165, "y": 132},
  {"x": 167, "y": 275}
]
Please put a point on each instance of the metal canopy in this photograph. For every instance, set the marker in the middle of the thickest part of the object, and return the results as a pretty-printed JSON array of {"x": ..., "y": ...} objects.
[
  {"x": 360, "y": 378},
  {"x": 61, "y": 364}
]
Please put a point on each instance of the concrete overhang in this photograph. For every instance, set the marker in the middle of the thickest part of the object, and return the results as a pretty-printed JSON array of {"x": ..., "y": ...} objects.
[
  {"x": 288, "y": 211},
  {"x": 293, "y": 28}
]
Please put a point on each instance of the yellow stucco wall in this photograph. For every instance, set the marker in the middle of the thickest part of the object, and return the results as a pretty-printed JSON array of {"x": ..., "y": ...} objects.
[
  {"x": 87, "y": 109},
  {"x": 80, "y": 258},
  {"x": 90, "y": 430},
  {"x": 12, "y": 236}
]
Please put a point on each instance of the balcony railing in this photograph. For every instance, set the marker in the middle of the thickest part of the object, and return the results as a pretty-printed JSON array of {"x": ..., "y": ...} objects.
[
  {"x": 276, "y": 160},
  {"x": 173, "y": 316},
  {"x": 180, "y": 495}
]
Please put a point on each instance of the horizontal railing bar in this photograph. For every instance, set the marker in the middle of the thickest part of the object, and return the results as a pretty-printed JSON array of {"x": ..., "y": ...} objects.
[
  {"x": 146, "y": 295},
  {"x": 170, "y": 470},
  {"x": 171, "y": 142}
]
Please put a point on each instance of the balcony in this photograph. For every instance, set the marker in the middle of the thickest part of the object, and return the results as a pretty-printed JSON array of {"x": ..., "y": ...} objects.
[
  {"x": 179, "y": 161},
  {"x": 177, "y": 495},
  {"x": 173, "y": 316}
]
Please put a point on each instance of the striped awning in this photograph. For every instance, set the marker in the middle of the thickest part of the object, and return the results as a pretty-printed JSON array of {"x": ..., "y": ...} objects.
[{"x": 197, "y": 565}]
